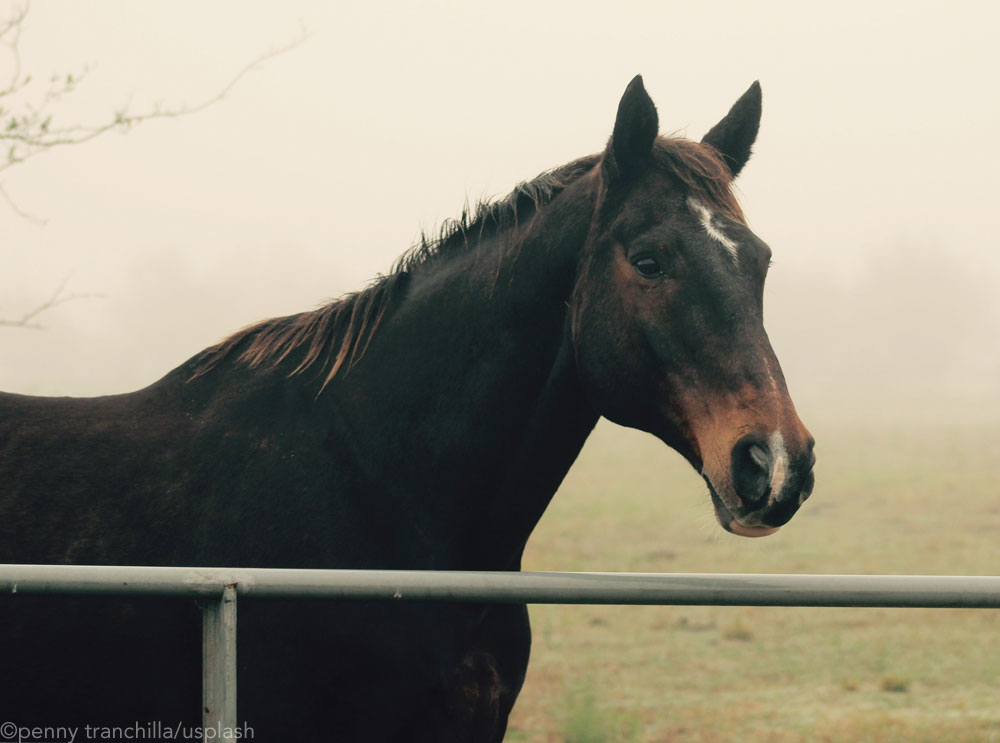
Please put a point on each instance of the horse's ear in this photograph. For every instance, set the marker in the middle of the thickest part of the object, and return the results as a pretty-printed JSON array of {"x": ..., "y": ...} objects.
[
  {"x": 635, "y": 129},
  {"x": 735, "y": 134}
]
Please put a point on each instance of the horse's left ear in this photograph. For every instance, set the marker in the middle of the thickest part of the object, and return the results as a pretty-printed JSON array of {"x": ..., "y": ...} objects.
[
  {"x": 635, "y": 130},
  {"x": 735, "y": 134}
]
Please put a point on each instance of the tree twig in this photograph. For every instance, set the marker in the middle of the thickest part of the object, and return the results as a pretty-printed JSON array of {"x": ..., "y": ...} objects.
[
  {"x": 30, "y": 132},
  {"x": 58, "y": 297},
  {"x": 28, "y": 216}
]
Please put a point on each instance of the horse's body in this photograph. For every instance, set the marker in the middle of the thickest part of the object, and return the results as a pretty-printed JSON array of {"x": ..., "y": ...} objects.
[{"x": 423, "y": 423}]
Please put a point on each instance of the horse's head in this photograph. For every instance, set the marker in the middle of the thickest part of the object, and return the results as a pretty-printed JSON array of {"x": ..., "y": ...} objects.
[{"x": 668, "y": 314}]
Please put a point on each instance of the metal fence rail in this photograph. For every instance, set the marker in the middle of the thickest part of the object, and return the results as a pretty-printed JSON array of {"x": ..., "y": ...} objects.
[
  {"x": 226, "y": 584},
  {"x": 722, "y": 589}
]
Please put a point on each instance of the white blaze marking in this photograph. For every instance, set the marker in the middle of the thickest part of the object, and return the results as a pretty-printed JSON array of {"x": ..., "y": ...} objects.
[
  {"x": 780, "y": 456},
  {"x": 705, "y": 215}
]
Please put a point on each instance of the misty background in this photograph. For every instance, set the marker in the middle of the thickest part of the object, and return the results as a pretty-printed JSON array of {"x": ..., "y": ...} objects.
[{"x": 873, "y": 178}]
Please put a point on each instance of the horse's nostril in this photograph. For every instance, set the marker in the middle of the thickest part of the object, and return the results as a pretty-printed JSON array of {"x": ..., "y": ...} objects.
[
  {"x": 752, "y": 463},
  {"x": 759, "y": 456}
]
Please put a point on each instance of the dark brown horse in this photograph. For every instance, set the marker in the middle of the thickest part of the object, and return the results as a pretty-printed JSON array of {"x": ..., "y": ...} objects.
[{"x": 424, "y": 422}]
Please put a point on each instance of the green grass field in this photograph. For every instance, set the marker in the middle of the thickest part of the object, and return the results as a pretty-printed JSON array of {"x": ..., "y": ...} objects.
[{"x": 923, "y": 500}]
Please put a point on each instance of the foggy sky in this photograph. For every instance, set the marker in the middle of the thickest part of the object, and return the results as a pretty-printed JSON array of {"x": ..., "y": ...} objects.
[{"x": 873, "y": 179}]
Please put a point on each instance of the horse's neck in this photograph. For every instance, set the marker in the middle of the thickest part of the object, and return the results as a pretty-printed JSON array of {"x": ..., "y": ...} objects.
[{"x": 476, "y": 369}]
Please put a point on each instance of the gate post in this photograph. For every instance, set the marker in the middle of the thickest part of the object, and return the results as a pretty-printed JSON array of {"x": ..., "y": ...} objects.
[{"x": 218, "y": 666}]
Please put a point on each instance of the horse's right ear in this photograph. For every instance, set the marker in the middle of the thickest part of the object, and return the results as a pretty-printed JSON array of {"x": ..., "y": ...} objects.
[
  {"x": 635, "y": 130},
  {"x": 735, "y": 134}
]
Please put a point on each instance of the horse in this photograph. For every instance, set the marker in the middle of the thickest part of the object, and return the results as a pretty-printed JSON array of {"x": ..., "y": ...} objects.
[{"x": 424, "y": 422}]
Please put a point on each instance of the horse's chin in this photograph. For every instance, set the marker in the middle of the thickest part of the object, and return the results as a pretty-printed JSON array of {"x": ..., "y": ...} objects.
[
  {"x": 729, "y": 522},
  {"x": 737, "y": 528}
]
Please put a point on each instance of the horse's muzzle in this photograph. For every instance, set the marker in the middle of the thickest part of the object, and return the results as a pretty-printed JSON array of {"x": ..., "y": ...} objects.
[{"x": 767, "y": 484}]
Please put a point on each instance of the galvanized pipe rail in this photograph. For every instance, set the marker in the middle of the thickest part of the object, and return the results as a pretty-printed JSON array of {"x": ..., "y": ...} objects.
[
  {"x": 721, "y": 589},
  {"x": 226, "y": 584}
]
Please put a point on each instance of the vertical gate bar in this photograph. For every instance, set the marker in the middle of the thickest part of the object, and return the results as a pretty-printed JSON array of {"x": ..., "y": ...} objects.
[{"x": 218, "y": 666}]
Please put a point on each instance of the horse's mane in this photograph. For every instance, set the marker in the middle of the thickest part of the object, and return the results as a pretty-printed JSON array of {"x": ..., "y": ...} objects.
[{"x": 339, "y": 332}]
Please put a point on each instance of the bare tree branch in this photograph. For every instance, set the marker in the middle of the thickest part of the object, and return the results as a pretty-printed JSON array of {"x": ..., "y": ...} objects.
[
  {"x": 29, "y": 131},
  {"x": 28, "y": 216},
  {"x": 59, "y": 296},
  {"x": 12, "y": 27}
]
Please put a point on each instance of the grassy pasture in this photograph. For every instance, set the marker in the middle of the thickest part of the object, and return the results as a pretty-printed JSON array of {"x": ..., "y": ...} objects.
[{"x": 922, "y": 500}]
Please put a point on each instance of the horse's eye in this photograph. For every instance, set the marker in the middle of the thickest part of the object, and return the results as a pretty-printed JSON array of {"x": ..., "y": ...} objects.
[{"x": 647, "y": 267}]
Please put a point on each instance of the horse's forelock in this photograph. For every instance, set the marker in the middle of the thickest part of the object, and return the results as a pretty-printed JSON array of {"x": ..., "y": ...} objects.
[{"x": 703, "y": 172}]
